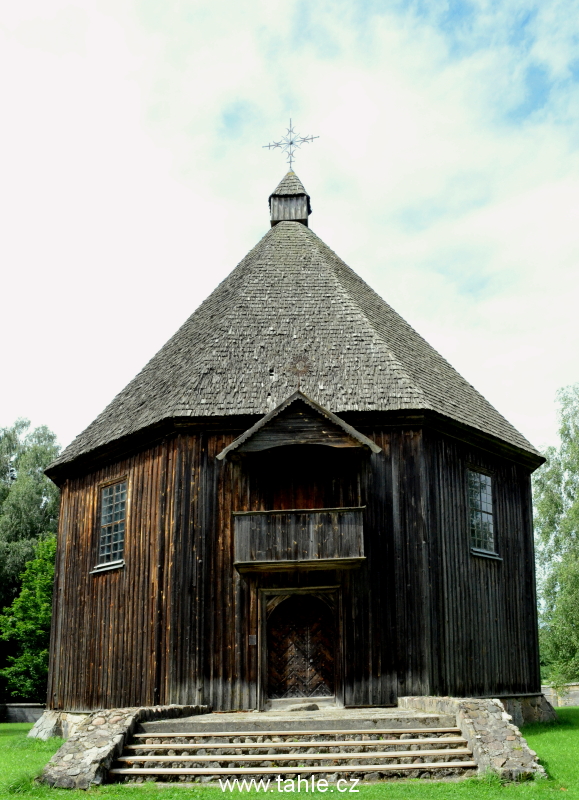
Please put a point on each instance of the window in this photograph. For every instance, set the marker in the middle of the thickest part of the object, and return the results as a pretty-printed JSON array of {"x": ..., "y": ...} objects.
[
  {"x": 112, "y": 533},
  {"x": 480, "y": 508}
]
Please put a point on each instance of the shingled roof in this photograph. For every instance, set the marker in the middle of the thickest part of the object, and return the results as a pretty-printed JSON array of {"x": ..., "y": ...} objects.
[
  {"x": 290, "y": 184},
  {"x": 290, "y": 297}
]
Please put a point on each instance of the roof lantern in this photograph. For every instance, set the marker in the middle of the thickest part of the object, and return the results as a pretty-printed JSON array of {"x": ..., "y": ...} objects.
[{"x": 290, "y": 202}]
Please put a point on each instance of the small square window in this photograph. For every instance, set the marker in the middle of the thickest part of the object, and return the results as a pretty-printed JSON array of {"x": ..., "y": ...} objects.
[
  {"x": 112, "y": 532},
  {"x": 480, "y": 508}
]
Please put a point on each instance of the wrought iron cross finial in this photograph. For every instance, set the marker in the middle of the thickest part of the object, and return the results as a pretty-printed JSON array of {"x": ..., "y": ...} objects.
[{"x": 290, "y": 143}]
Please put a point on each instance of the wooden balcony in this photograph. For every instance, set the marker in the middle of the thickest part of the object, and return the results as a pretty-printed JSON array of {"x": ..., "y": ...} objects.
[{"x": 320, "y": 538}]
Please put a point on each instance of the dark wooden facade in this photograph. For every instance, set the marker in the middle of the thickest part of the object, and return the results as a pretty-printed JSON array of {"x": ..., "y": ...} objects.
[
  {"x": 246, "y": 499},
  {"x": 419, "y": 614},
  {"x": 308, "y": 538}
]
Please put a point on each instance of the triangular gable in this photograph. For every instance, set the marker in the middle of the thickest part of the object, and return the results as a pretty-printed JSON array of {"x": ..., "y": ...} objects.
[{"x": 298, "y": 420}]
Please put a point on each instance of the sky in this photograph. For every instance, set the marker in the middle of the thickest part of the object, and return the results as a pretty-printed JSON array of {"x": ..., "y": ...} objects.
[{"x": 133, "y": 179}]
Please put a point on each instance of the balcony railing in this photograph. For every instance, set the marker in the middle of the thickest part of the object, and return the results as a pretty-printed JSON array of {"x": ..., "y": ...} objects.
[{"x": 320, "y": 538}]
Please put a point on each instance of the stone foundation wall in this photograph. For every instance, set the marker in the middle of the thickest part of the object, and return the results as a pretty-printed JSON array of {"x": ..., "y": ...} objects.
[
  {"x": 97, "y": 739},
  {"x": 497, "y": 745},
  {"x": 524, "y": 710}
]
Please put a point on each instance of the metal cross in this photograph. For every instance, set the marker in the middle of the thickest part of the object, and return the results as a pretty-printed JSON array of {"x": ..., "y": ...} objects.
[{"x": 290, "y": 143}]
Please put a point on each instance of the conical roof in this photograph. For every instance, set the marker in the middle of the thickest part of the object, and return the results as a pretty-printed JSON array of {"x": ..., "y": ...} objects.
[
  {"x": 290, "y": 184},
  {"x": 292, "y": 297}
]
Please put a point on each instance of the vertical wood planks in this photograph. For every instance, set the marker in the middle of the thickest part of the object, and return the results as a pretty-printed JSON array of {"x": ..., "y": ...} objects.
[{"x": 422, "y": 615}]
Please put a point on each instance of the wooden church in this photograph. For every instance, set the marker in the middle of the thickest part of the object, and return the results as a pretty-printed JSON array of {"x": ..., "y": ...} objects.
[{"x": 296, "y": 497}]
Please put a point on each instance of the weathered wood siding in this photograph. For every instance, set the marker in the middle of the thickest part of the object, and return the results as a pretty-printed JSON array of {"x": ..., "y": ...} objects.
[
  {"x": 483, "y": 610},
  {"x": 298, "y": 535},
  {"x": 134, "y": 636},
  {"x": 173, "y": 626},
  {"x": 289, "y": 208},
  {"x": 297, "y": 426},
  {"x": 107, "y": 627}
]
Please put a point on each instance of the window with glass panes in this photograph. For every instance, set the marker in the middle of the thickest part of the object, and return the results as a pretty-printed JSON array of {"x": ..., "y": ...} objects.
[
  {"x": 480, "y": 506},
  {"x": 113, "y": 511}
]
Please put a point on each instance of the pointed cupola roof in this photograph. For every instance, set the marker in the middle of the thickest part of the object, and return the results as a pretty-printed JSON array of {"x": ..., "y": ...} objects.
[
  {"x": 290, "y": 184},
  {"x": 292, "y": 297},
  {"x": 290, "y": 201}
]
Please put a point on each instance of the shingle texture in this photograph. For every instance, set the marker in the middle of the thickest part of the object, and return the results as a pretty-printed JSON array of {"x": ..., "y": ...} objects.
[
  {"x": 290, "y": 184},
  {"x": 292, "y": 296}
]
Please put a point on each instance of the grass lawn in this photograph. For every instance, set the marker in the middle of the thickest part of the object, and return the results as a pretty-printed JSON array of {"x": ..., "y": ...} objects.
[{"x": 557, "y": 745}]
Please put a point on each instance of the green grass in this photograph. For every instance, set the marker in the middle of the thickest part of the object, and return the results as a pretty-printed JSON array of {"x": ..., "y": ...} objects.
[{"x": 22, "y": 759}]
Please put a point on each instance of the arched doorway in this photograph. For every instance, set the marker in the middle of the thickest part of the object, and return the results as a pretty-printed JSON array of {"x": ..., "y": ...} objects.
[{"x": 301, "y": 648}]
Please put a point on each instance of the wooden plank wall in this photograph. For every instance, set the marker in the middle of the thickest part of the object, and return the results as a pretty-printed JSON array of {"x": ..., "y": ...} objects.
[
  {"x": 297, "y": 426},
  {"x": 299, "y": 535},
  {"x": 106, "y": 626},
  {"x": 136, "y": 636},
  {"x": 173, "y": 626},
  {"x": 484, "y": 611},
  {"x": 289, "y": 208}
]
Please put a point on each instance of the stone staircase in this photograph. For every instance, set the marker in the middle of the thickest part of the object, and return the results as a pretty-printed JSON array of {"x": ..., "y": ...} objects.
[
  {"x": 338, "y": 746},
  {"x": 423, "y": 737}
]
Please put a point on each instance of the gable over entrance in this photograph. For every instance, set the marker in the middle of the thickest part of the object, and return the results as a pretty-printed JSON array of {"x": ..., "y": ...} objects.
[
  {"x": 283, "y": 538},
  {"x": 298, "y": 420}
]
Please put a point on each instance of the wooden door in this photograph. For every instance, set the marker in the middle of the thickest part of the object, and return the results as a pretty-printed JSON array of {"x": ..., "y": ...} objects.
[{"x": 300, "y": 648}]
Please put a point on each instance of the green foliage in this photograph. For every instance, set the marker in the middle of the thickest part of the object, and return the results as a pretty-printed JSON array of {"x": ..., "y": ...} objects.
[
  {"x": 26, "y": 623},
  {"x": 556, "y": 488},
  {"x": 560, "y": 630},
  {"x": 28, "y": 499}
]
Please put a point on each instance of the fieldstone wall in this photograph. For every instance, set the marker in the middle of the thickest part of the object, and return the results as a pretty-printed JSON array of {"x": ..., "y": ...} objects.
[
  {"x": 497, "y": 745},
  {"x": 85, "y": 758},
  {"x": 56, "y": 723}
]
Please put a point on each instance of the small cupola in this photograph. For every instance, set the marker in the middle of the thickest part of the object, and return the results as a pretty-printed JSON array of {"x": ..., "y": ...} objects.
[{"x": 290, "y": 201}]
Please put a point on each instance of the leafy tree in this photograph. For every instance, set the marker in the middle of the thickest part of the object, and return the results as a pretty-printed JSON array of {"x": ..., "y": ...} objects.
[
  {"x": 557, "y": 527},
  {"x": 26, "y": 624},
  {"x": 28, "y": 499}
]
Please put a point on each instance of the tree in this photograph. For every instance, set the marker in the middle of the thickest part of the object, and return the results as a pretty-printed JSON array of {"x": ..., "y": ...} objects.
[
  {"x": 28, "y": 499},
  {"x": 556, "y": 488},
  {"x": 26, "y": 624}
]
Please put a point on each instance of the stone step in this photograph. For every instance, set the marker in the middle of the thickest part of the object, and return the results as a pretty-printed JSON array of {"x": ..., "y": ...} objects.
[
  {"x": 133, "y": 759},
  {"x": 343, "y": 743},
  {"x": 177, "y": 734},
  {"x": 277, "y": 745},
  {"x": 290, "y": 770},
  {"x": 256, "y": 723}
]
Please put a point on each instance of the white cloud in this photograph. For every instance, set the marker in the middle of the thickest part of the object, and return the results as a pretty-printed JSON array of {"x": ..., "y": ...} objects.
[{"x": 134, "y": 180}]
